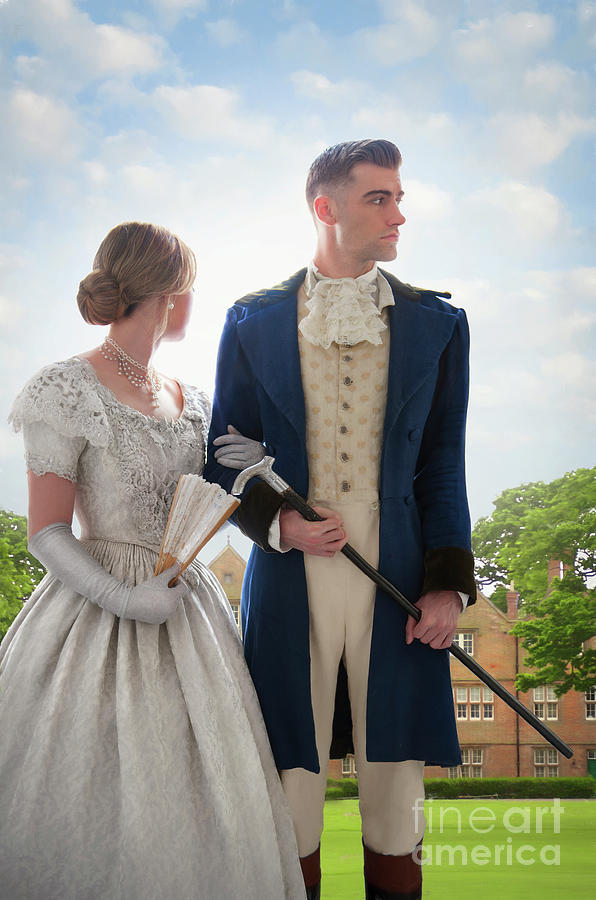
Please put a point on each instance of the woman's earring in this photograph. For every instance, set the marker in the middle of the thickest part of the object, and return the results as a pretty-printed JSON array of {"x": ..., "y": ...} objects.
[{"x": 170, "y": 305}]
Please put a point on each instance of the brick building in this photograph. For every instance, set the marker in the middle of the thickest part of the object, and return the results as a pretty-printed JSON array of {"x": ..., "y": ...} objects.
[
  {"x": 228, "y": 567},
  {"x": 495, "y": 741}
]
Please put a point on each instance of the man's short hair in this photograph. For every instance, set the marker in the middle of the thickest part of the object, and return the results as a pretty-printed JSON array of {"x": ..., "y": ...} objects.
[{"x": 333, "y": 166}]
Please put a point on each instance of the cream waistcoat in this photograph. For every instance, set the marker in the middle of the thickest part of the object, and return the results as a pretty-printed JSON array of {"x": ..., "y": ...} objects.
[{"x": 345, "y": 393}]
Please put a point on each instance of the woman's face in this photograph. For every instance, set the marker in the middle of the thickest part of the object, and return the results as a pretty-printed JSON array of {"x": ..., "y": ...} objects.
[{"x": 179, "y": 316}]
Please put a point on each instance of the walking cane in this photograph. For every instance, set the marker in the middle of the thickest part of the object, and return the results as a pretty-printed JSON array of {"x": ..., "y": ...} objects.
[{"x": 264, "y": 471}]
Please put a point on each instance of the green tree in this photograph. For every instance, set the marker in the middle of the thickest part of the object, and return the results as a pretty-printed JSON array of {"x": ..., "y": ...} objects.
[
  {"x": 19, "y": 571},
  {"x": 531, "y": 525}
]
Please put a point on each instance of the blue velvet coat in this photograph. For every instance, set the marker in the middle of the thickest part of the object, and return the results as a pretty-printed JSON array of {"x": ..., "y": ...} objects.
[{"x": 423, "y": 509}]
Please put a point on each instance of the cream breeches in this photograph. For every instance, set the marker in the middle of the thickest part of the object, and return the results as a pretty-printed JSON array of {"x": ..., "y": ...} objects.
[{"x": 341, "y": 605}]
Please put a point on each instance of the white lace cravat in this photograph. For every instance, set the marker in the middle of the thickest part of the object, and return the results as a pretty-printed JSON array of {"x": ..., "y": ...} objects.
[{"x": 341, "y": 310}]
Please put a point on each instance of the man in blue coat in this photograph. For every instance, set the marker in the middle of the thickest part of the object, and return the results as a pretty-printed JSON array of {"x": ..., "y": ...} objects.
[{"x": 357, "y": 384}]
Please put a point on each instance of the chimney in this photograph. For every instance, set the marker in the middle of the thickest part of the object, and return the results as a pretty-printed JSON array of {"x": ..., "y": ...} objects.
[
  {"x": 512, "y": 602},
  {"x": 555, "y": 570}
]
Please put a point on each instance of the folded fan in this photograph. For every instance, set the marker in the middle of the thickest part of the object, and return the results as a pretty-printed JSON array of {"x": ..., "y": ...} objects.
[{"x": 198, "y": 509}]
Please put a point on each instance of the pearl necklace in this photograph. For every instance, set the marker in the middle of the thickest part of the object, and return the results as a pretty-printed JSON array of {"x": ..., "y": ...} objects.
[{"x": 143, "y": 377}]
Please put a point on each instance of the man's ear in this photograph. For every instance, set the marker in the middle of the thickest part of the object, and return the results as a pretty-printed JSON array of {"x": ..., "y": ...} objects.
[{"x": 324, "y": 209}]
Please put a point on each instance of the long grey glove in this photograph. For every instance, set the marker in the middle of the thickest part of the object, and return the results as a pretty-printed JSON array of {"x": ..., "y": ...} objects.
[
  {"x": 151, "y": 601},
  {"x": 236, "y": 451}
]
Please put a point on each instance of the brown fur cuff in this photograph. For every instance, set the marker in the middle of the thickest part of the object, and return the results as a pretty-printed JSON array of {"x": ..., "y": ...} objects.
[
  {"x": 449, "y": 569},
  {"x": 256, "y": 512}
]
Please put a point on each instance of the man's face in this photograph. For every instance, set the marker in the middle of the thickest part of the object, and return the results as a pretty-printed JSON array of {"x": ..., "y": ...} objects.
[{"x": 368, "y": 215}]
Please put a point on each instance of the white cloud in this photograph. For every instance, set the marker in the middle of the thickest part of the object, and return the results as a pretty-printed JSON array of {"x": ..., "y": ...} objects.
[
  {"x": 509, "y": 36},
  {"x": 9, "y": 312},
  {"x": 575, "y": 377},
  {"x": 555, "y": 86},
  {"x": 179, "y": 5},
  {"x": 386, "y": 116},
  {"x": 425, "y": 201},
  {"x": 318, "y": 87},
  {"x": 42, "y": 126},
  {"x": 481, "y": 299},
  {"x": 525, "y": 141},
  {"x": 225, "y": 32},
  {"x": 586, "y": 14},
  {"x": 519, "y": 210},
  {"x": 71, "y": 49},
  {"x": 116, "y": 49},
  {"x": 412, "y": 33},
  {"x": 491, "y": 55},
  {"x": 96, "y": 172},
  {"x": 207, "y": 112},
  {"x": 11, "y": 445},
  {"x": 304, "y": 41}
]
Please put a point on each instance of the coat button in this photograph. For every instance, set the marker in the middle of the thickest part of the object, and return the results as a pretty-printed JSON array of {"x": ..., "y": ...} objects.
[
  {"x": 409, "y": 499},
  {"x": 344, "y": 457},
  {"x": 348, "y": 380},
  {"x": 345, "y": 405},
  {"x": 413, "y": 434},
  {"x": 343, "y": 429},
  {"x": 346, "y": 486},
  {"x": 347, "y": 358}
]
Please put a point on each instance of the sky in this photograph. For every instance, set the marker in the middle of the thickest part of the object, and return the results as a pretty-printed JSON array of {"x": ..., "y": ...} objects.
[{"x": 204, "y": 117}]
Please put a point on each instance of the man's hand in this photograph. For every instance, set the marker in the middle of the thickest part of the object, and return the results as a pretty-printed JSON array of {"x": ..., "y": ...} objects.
[
  {"x": 438, "y": 624},
  {"x": 317, "y": 538}
]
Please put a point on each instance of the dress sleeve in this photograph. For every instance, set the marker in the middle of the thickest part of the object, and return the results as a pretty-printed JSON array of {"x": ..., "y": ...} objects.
[
  {"x": 197, "y": 408},
  {"x": 59, "y": 413}
]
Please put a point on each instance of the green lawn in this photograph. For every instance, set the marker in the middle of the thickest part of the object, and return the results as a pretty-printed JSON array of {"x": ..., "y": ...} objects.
[{"x": 462, "y": 844}]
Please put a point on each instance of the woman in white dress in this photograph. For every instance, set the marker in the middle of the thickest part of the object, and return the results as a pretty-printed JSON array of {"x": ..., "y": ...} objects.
[{"x": 134, "y": 762}]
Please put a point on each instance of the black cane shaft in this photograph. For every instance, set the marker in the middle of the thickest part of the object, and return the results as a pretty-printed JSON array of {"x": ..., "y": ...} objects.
[{"x": 312, "y": 516}]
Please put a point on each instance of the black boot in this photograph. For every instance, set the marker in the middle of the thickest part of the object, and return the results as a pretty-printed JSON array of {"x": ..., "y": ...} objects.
[{"x": 314, "y": 892}]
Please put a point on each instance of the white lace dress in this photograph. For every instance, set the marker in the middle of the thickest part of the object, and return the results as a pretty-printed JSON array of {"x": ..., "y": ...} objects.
[{"x": 134, "y": 763}]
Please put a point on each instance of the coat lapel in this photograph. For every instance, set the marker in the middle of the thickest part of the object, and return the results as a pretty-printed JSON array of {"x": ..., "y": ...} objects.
[
  {"x": 418, "y": 336},
  {"x": 269, "y": 338}
]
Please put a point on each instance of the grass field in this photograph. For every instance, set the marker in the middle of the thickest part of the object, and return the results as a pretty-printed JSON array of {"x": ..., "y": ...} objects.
[{"x": 479, "y": 850}]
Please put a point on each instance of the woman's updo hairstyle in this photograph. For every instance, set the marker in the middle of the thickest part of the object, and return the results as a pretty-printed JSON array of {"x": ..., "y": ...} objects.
[{"x": 136, "y": 261}]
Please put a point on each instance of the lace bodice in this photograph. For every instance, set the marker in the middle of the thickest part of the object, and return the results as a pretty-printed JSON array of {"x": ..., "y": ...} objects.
[{"x": 125, "y": 464}]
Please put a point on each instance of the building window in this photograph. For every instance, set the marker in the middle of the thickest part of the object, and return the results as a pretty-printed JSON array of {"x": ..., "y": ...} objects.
[
  {"x": 465, "y": 640},
  {"x": 453, "y": 772},
  {"x": 236, "y": 611},
  {"x": 477, "y": 754},
  {"x": 546, "y": 763},
  {"x": 488, "y": 704},
  {"x": 348, "y": 766},
  {"x": 474, "y": 703},
  {"x": 471, "y": 762},
  {"x": 461, "y": 698},
  {"x": 591, "y": 754},
  {"x": 228, "y": 578},
  {"x": 591, "y": 703},
  {"x": 545, "y": 700}
]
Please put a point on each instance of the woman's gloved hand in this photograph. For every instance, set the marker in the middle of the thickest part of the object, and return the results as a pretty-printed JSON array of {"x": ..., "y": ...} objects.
[
  {"x": 236, "y": 451},
  {"x": 152, "y": 601}
]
